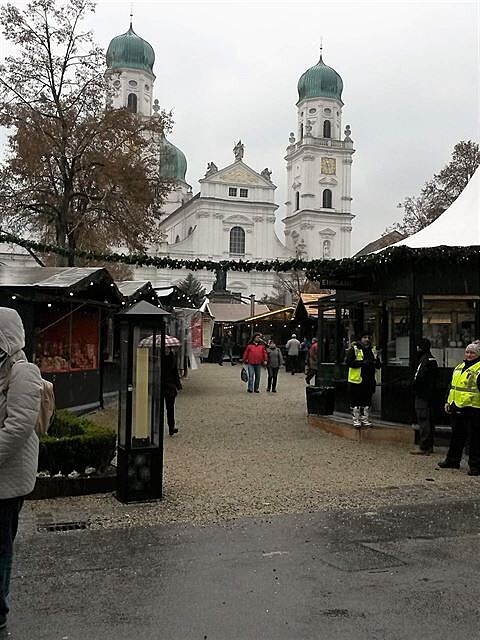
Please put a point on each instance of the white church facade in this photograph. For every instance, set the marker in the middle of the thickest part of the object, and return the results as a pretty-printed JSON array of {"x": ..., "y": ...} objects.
[{"x": 232, "y": 217}]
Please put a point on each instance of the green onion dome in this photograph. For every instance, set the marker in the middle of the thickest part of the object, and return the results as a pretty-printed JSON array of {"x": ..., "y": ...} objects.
[
  {"x": 171, "y": 161},
  {"x": 320, "y": 81},
  {"x": 129, "y": 51}
]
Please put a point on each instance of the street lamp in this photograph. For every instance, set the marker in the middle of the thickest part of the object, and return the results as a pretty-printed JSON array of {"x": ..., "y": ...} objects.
[{"x": 140, "y": 414}]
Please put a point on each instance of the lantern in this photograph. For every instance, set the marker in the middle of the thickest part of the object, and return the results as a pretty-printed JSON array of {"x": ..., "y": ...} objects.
[{"x": 140, "y": 414}]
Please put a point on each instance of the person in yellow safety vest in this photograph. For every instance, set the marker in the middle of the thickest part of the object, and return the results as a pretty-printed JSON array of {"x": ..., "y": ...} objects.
[
  {"x": 463, "y": 406},
  {"x": 362, "y": 360}
]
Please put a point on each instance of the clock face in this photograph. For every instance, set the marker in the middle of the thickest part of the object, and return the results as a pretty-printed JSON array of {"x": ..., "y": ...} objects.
[{"x": 329, "y": 166}]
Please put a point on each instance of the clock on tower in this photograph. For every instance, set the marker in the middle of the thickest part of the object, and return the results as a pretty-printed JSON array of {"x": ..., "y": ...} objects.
[{"x": 329, "y": 166}]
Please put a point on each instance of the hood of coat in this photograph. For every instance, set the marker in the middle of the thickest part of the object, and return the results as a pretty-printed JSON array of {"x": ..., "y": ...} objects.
[{"x": 12, "y": 333}]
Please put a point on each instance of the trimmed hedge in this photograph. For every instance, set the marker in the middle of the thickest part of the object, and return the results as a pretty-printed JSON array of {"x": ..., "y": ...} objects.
[{"x": 74, "y": 443}]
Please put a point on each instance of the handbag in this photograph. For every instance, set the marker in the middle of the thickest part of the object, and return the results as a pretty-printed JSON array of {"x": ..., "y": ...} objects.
[{"x": 244, "y": 375}]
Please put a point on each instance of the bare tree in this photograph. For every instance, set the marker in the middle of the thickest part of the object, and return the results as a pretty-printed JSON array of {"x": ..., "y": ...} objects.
[
  {"x": 77, "y": 172},
  {"x": 439, "y": 193}
]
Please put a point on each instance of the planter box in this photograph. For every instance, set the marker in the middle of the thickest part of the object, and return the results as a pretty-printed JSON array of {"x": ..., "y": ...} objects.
[{"x": 84, "y": 485}]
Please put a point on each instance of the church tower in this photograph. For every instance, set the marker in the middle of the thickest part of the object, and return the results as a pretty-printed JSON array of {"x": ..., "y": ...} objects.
[
  {"x": 130, "y": 76},
  {"x": 318, "y": 219},
  {"x": 130, "y": 73}
]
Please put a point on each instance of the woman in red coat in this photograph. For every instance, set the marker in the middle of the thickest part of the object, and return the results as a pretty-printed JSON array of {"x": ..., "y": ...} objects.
[{"x": 254, "y": 356}]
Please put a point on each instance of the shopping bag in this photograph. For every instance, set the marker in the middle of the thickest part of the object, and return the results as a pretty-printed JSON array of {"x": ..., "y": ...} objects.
[{"x": 244, "y": 375}]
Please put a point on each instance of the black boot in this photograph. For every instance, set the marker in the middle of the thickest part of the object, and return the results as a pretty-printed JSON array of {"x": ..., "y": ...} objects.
[{"x": 446, "y": 464}]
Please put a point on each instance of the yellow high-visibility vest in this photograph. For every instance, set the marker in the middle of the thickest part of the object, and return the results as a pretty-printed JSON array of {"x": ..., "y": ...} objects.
[
  {"x": 355, "y": 373},
  {"x": 463, "y": 389}
]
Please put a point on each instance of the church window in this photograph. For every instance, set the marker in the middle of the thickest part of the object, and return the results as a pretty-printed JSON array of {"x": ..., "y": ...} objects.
[
  {"x": 328, "y": 110},
  {"x": 297, "y": 200},
  {"x": 132, "y": 103},
  {"x": 243, "y": 193},
  {"x": 190, "y": 231},
  {"x": 327, "y": 129},
  {"x": 301, "y": 131},
  {"x": 312, "y": 111},
  {"x": 132, "y": 83},
  {"x": 117, "y": 84},
  {"x": 327, "y": 199},
  {"x": 177, "y": 239},
  {"x": 232, "y": 191},
  {"x": 237, "y": 240}
]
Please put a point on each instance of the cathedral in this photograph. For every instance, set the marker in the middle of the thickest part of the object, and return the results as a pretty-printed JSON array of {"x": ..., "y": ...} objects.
[{"x": 232, "y": 215}]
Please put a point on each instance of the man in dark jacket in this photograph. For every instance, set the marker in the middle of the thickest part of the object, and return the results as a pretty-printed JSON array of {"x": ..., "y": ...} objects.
[
  {"x": 424, "y": 385},
  {"x": 172, "y": 385}
]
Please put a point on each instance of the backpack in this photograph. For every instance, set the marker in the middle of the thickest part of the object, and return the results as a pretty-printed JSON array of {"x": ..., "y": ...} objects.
[{"x": 47, "y": 407}]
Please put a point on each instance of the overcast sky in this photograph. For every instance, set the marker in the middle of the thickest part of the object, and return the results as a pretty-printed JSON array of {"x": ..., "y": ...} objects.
[{"x": 229, "y": 70}]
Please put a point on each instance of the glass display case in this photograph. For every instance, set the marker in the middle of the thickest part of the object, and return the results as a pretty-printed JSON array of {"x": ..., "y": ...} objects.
[
  {"x": 67, "y": 340},
  {"x": 449, "y": 324}
]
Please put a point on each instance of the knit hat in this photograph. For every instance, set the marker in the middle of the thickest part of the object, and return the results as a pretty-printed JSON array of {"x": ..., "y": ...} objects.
[{"x": 474, "y": 346}]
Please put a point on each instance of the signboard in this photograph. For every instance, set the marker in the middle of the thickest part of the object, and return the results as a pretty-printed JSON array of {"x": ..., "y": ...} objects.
[
  {"x": 197, "y": 331},
  {"x": 336, "y": 283}
]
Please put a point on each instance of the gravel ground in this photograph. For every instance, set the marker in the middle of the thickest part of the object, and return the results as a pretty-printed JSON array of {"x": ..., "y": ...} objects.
[{"x": 239, "y": 454}]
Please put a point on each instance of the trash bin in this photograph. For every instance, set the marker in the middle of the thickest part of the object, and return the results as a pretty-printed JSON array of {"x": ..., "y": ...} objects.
[{"x": 320, "y": 400}]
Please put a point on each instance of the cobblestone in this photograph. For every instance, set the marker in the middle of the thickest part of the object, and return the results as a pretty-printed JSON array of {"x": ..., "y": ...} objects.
[{"x": 239, "y": 454}]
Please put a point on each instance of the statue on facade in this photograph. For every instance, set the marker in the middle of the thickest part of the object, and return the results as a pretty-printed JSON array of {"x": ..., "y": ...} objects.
[
  {"x": 348, "y": 131},
  {"x": 308, "y": 128},
  {"x": 220, "y": 283},
  {"x": 300, "y": 249},
  {"x": 266, "y": 174},
  {"x": 156, "y": 106},
  {"x": 211, "y": 169},
  {"x": 291, "y": 139},
  {"x": 238, "y": 150}
]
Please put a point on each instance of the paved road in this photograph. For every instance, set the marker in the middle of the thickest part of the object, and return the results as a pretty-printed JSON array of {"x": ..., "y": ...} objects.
[{"x": 395, "y": 573}]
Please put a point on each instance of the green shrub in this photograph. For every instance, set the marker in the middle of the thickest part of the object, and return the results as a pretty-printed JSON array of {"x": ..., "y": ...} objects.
[{"x": 75, "y": 443}]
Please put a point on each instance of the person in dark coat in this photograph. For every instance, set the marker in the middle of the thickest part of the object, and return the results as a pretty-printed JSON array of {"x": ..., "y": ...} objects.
[
  {"x": 424, "y": 386},
  {"x": 463, "y": 407},
  {"x": 362, "y": 361},
  {"x": 172, "y": 385},
  {"x": 228, "y": 345},
  {"x": 274, "y": 362}
]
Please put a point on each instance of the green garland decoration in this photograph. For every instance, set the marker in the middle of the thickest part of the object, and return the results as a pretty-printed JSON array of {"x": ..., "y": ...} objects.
[{"x": 316, "y": 270}]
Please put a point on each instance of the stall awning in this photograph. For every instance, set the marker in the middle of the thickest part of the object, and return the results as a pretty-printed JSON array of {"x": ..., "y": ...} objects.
[
  {"x": 458, "y": 226},
  {"x": 87, "y": 283}
]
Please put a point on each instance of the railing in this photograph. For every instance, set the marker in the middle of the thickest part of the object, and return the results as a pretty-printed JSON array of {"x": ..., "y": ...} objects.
[{"x": 323, "y": 142}]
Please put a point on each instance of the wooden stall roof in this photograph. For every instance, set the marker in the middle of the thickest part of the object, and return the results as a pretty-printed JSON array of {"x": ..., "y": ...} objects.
[
  {"x": 226, "y": 312},
  {"x": 307, "y": 305},
  {"x": 85, "y": 283},
  {"x": 271, "y": 315},
  {"x": 135, "y": 290}
]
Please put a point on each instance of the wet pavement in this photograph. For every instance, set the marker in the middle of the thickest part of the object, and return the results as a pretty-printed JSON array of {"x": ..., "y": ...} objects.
[{"x": 392, "y": 573}]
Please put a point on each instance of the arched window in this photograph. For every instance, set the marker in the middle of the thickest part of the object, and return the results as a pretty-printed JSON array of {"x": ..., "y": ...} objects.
[
  {"x": 327, "y": 199},
  {"x": 132, "y": 102},
  {"x": 326, "y": 248},
  {"x": 237, "y": 240},
  {"x": 190, "y": 231},
  {"x": 301, "y": 131},
  {"x": 297, "y": 200},
  {"x": 327, "y": 129},
  {"x": 177, "y": 239}
]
